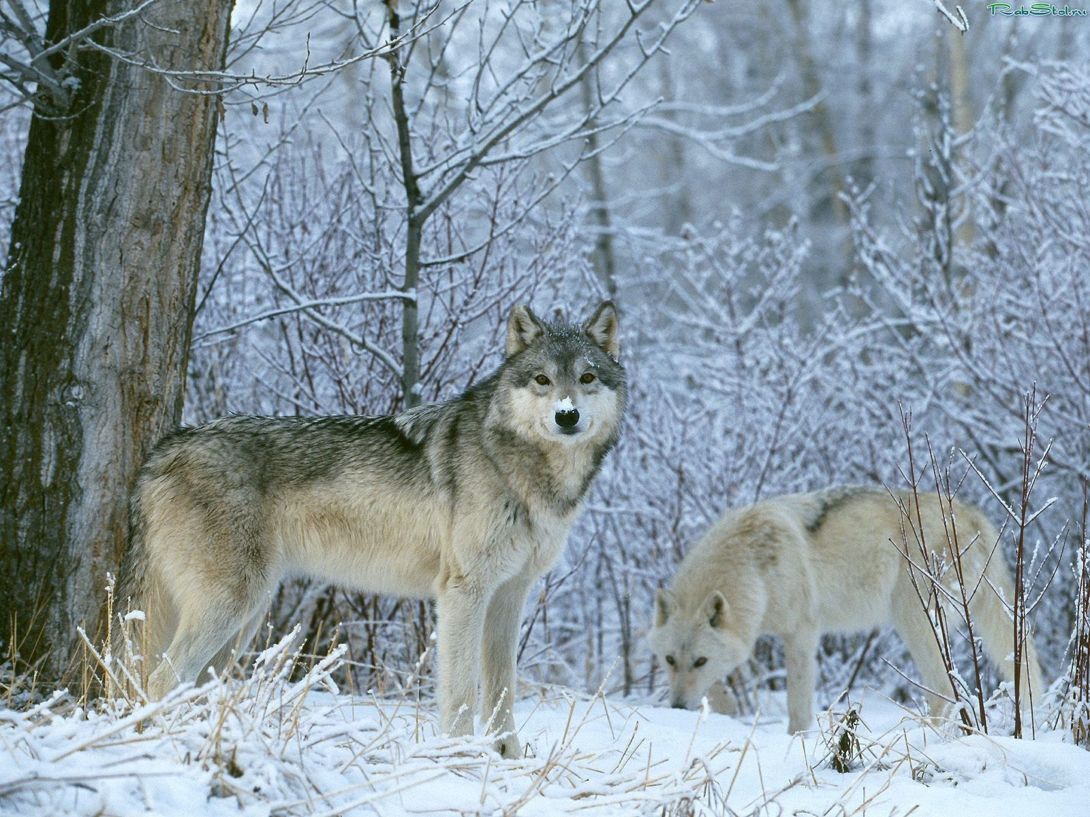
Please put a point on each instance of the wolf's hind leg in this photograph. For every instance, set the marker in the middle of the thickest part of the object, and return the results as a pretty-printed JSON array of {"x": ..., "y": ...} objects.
[
  {"x": 800, "y": 657},
  {"x": 215, "y": 562},
  {"x": 196, "y": 641},
  {"x": 501, "y": 633},
  {"x": 234, "y": 647}
]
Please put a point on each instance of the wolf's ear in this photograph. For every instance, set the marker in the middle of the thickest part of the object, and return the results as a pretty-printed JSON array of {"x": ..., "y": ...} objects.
[
  {"x": 664, "y": 606},
  {"x": 602, "y": 329},
  {"x": 523, "y": 328},
  {"x": 715, "y": 609}
]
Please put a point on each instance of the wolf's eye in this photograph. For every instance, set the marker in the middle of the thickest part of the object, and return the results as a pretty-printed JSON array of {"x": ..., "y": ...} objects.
[
  {"x": 698, "y": 663},
  {"x": 588, "y": 377},
  {"x": 670, "y": 660},
  {"x": 542, "y": 380}
]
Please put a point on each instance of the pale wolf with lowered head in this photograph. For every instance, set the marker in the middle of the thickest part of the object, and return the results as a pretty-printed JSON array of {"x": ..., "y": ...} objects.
[
  {"x": 468, "y": 501},
  {"x": 837, "y": 560}
]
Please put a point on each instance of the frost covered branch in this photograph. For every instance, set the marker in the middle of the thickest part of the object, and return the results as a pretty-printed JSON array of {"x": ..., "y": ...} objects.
[{"x": 956, "y": 18}]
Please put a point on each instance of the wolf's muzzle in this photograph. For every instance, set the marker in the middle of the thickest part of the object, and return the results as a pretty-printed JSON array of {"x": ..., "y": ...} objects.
[{"x": 568, "y": 419}]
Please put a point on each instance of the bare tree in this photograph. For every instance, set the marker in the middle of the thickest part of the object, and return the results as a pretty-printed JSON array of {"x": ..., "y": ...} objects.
[
  {"x": 97, "y": 292},
  {"x": 525, "y": 61}
]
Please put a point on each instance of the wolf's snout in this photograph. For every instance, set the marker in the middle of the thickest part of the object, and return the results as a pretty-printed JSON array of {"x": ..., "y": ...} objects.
[{"x": 568, "y": 418}]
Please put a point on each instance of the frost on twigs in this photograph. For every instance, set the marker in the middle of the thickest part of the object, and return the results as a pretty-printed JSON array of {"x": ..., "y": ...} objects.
[
  {"x": 285, "y": 741},
  {"x": 956, "y": 18}
]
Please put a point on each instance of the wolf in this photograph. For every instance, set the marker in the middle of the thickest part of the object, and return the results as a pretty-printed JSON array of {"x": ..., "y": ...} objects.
[
  {"x": 468, "y": 502},
  {"x": 837, "y": 560}
]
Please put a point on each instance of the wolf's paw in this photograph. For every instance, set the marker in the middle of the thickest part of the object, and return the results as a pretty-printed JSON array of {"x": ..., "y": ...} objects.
[
  {"x": 508, "y": 746},
  {"x": 722, "y": 700},
  {"x": 797, "y": 725}
]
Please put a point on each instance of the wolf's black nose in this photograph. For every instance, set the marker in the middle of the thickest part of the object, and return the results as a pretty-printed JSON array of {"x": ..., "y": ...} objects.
[
  {"x": 567, "y": 419},
  {"x": 678, "y": 705}
]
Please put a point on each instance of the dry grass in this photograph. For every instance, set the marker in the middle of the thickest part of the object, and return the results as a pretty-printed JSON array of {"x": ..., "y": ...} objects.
[{"x": 297, "y": 747}]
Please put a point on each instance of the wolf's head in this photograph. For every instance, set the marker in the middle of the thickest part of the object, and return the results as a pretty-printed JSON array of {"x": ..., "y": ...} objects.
[
  {"x": 697, "y": 647},
  {"x": 563, "y": 383}
]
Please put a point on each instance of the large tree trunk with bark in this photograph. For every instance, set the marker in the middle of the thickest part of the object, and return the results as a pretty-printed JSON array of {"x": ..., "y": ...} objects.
[{"x": 96, "y": 306}]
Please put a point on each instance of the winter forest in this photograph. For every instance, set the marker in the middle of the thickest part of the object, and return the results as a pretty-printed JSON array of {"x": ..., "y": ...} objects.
[{"x": 849, "y": 244}]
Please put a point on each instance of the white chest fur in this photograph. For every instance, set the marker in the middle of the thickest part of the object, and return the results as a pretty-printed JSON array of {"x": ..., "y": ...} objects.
[{"x": 548, "y": 541}]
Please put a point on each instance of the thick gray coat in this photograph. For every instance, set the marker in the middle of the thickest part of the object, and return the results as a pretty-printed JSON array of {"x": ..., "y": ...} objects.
[{"x": 468, "y": 501}]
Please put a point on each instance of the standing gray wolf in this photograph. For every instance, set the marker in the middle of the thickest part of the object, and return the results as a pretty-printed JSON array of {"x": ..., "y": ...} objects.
[
  {"x": 802, "y": 565},
  {"x": 468, "y": 501}
]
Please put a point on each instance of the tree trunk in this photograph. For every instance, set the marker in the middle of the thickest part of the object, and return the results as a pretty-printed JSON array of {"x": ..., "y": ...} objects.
[
  {"x": 962, "y": 114},
  {"x": 97, "y": 306},
  {"x": 414, "y": 222},
  {"x": 864, "y": 168},
  {"x": 603, "y": 258},
  {"x": 811, "y": 87}
]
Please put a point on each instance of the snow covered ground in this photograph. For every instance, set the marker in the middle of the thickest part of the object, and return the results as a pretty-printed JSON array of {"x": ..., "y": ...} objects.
[{"x": 270, "y": 746}]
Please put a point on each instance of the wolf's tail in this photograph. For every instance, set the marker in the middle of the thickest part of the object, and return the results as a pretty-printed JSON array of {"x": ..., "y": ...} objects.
[
  {"x": 143, "y": 613},
  {"x": 992, "y": 620}
]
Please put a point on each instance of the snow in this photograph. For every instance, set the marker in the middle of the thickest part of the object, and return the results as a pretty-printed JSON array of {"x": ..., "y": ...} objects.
[
  {"x": 564, "y": 405},
  {"x": 268, "y": 745}
]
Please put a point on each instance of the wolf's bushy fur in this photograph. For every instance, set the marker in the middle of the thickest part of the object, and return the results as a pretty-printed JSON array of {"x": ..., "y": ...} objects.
[
  {"x": 802, "y": 565},
  {"x": 468, "y": 501}
]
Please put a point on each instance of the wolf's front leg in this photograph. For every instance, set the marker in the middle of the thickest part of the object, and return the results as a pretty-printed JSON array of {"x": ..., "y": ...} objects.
[
  {"x": 461, "y": 606},
  {"x": 499, "y": 658},
  {"x": 799, "y": 652},
  {"x": 721, "y": 699}
]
